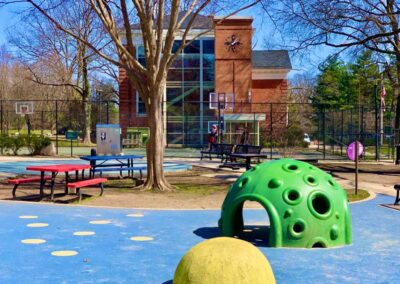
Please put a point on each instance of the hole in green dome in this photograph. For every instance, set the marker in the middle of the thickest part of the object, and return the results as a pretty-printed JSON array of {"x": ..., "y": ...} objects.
[
  {"x": 331, "y": 183},
  {"x": 321, "y": 204},
  {"x": 243, "y": 182},
  {"x": 293, "y": 167},
  {"x": 293, "y": 195},
  {"x": 319, "y": 245},
  {"x": 274, "y": 183},
  {"x": 311, "y": 180},
  {"x": 298, "y": 227}
]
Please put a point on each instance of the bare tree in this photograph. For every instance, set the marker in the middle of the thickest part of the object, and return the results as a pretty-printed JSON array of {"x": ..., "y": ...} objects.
[
  {"x": 55, "y": 58},
  {"x": 159, "y": 22},
  {"x": 343, "y": 24}
]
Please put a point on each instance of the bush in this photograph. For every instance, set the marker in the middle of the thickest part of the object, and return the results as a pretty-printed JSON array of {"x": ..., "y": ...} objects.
[
  {"x": 15, "y": 143},
  {"x": 36, "y": 143}
]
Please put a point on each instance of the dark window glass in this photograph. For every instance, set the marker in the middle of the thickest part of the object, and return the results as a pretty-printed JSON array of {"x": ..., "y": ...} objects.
[
  {"x": 208, "y": 74},
  {"x": 141, "y": 109},
  {"x": 191, "y": 75},
  {"x": 176, "y": 45},
  {"x": 175, "y": 139},
  {"x": 194, "y": 47},
  {"x": 208, "y": 60},
  {"x": 208, "y": 46},
  {"x": 191, "y": 60},
  {"x": 140, "y": 51},
  {"x": 192, "y": 94},
  {"x": 174, "y": 98},
  {"x": 174, "y": 75}
]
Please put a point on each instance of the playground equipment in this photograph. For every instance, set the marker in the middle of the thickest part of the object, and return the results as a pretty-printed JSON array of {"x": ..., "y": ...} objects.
[
  {"x": 225, "y": 261},
  {"x": 305, "y": 205}
]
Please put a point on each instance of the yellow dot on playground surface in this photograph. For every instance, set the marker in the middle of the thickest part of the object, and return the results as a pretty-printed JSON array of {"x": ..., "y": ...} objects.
[
  {"x": 135, "y": 215},
  {"x": 64, "y": 253},
  {"x": 141, "y": 239},
  {"x": 100, "y": 222},
  {"x": 28, "y": 217},
  {"x": 37, "y": 225},
  {"x": 33, "y": 241},
  {"x": 84, "y": 233}
]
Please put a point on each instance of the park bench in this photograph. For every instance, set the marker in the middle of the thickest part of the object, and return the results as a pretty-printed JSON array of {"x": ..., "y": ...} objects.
[
  {"x": 120, "y": 170},
  {"x": 85, "y": 183},
  {"x": 218, "y": 149},
  {"x": 397, "y": 187},
  {"x": 17, "y": 181}
]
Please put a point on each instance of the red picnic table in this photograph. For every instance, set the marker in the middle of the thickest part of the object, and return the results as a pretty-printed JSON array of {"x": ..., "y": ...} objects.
[{"x": 54, "y": 170}]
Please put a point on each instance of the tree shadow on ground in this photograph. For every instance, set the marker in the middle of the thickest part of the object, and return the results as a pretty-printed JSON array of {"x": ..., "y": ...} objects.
[{"x": 255, "y": 234}]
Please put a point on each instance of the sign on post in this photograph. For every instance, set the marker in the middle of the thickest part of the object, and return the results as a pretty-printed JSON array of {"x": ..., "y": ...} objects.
[
  {"x": 351, "y": 150},
  {"x": 71, "y": 135},
  {"x": 108, "y": 139}
]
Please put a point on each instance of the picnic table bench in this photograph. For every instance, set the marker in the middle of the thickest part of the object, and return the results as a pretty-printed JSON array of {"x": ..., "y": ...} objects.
[
  {"x": 17, "y": 181},
  {"x": 85, "y": 183},
  {"x": 218, "y": 149},
  {"x": 246, "y": 152},
  {"x": 116, "y": 163}
]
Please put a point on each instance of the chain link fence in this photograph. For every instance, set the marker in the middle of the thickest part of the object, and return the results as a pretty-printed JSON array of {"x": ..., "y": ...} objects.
[{"x": 298, "y": 130}]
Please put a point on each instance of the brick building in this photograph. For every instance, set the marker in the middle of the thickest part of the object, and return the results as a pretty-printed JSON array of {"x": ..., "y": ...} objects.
[{"x": 220, "y": 62}]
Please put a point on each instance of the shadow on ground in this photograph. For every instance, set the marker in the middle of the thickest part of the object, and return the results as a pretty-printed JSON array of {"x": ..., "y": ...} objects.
[{"x": 257, "y": 235}]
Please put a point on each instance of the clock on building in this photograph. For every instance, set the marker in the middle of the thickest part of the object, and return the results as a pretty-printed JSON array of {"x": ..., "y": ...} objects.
[{"x": 233, "y": 43}]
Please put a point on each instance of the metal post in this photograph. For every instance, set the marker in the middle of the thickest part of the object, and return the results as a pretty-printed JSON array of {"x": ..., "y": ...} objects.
[
  {"x": 108, "y": 114},
  {"x": 376, "y": 123},
  {"x": 341, "y": 134},
  {"x": 356, "y": 169},
  {"x": 1, "y": 116},
  {"x": 57, "y": 127},
  {"x": 323, "y": 133},
  {"x": 270, "y": 130}
]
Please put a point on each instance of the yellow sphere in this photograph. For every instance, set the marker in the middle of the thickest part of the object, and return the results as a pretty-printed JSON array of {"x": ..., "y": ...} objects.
[{"x": 224, "y": 261}]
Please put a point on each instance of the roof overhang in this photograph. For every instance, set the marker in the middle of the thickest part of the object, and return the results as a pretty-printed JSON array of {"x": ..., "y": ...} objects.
[
  {"x": 270, "y": 73},
  {"x": 244, "y": 117}
]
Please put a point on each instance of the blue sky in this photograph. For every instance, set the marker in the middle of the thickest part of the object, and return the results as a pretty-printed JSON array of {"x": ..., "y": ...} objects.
[{"x": 262, "y": 27}]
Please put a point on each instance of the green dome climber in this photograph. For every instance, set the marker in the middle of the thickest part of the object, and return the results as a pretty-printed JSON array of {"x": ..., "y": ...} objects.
[{"x": 305, "y": 205}]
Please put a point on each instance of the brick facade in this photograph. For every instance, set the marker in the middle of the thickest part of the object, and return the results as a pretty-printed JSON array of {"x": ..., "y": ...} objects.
[{"x": 233, "y": 74}]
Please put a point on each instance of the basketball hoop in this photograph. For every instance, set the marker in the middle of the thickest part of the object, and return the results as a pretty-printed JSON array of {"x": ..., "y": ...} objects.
[{"x": 23, "y": 108}]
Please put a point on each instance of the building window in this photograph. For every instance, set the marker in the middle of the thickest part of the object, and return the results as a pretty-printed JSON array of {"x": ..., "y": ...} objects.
[{"x": 140, "y": 107}]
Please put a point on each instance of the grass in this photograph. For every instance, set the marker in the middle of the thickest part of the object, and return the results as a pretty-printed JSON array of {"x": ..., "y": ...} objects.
[
  {"x": 200, "y": 189},
  {"x": 362, "y": 194}
]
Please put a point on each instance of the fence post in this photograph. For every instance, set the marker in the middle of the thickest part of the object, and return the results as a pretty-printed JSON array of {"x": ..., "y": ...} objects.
[
  {"x": 57, "y": 127},
  {"x": 270, "y": 130},
  {"x": 1, "y": 117},
  {"x": 323, "y": 132},
  {"x": 376, "y": 122},
  {"x": 107, "y": 114},
  {"x": 341, "y": 134}
]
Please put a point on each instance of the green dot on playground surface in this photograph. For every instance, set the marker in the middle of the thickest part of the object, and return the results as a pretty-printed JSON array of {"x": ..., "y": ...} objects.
[
  {"x": 224, "y": 261},
  {"x": 305, "y": 205}
]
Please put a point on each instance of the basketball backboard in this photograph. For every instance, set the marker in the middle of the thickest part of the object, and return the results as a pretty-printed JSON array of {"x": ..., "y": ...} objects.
[
  {"x": 222, "y": 100},
  {"x": 23, "y": 108}
]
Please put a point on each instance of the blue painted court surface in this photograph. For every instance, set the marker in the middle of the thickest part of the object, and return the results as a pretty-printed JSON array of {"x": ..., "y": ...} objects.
[
  {"x": 19, "y": 167},
  {"x": 110, "y": 256}
]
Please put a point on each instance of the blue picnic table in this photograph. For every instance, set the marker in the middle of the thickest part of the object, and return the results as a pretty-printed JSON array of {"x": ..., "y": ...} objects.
[{"x": 116, "y": 163}]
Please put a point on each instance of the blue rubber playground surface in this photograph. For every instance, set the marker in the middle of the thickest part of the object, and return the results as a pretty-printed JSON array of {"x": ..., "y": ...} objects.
[
  {"x": 19, "y": 167},
  {"x": 144, "y": 246}
]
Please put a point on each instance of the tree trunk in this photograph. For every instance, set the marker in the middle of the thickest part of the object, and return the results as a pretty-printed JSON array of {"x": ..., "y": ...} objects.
[{"x": 155, "y": 146}]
